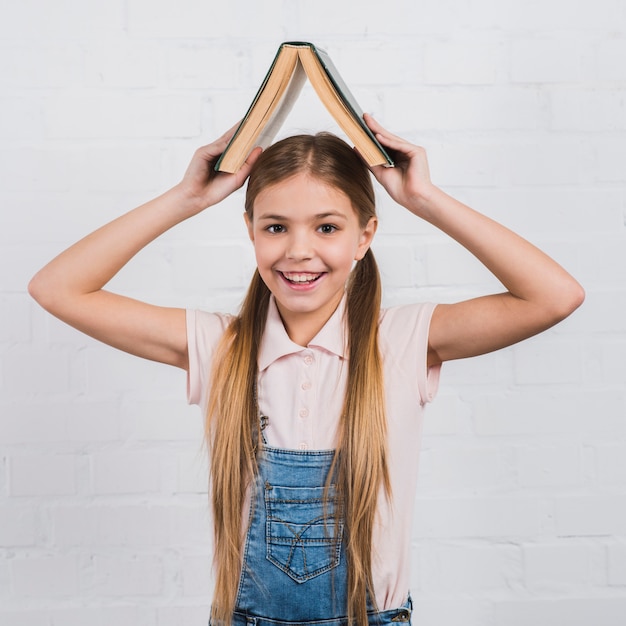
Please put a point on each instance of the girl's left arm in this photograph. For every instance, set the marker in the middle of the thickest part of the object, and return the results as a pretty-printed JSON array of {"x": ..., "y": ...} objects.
[{"x": 540, "y": 293}]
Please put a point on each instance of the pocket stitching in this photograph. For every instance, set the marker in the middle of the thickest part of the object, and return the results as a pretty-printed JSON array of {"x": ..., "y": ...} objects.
[{"x": 296, "y": 541}]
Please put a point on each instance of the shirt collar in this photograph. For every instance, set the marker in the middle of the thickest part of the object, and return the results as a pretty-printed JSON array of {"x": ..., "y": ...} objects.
[{"x": 276, "y": 343}]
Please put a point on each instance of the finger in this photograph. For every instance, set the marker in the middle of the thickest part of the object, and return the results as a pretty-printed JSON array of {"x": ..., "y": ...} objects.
[
  {"x": 378, "y": 129},
  {"x": 215, "y": 148},
  {"x": 244, "y": 170},
  {"x": 228, "y": 135}
]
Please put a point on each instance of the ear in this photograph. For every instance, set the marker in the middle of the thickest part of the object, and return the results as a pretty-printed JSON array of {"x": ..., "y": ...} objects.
[
  {"x": 366, "y": 238},
  {"x": 249, "y": 226}
]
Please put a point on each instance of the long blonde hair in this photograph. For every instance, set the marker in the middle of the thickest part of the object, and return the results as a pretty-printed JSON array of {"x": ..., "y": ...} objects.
[{"x": 232, "y": 428}]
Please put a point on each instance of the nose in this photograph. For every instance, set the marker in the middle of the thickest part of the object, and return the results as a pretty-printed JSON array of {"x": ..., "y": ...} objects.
[{"x": 299, "y": 247}]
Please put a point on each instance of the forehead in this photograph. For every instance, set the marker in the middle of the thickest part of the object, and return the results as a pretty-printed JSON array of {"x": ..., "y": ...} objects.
[{"x": 301, "y": 192}]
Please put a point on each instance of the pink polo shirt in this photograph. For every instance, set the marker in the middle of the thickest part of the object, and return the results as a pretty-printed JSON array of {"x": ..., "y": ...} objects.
[{"x": 301, "y": 390}]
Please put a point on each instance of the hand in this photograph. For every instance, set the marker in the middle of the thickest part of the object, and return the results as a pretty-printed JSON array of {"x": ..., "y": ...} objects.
[
  {"x": 408, "y": 183},
  {"x": 206, "y": 187}
]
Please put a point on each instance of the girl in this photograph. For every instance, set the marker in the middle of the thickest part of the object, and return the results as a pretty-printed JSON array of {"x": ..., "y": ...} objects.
[{"x": 313, "y": 395}]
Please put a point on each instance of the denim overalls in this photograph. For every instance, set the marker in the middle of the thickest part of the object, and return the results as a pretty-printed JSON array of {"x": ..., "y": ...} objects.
[{"x": 294, "y": 567}]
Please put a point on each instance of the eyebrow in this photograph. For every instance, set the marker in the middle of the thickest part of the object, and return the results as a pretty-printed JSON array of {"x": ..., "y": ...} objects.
[{"x": 319, "y": 216}]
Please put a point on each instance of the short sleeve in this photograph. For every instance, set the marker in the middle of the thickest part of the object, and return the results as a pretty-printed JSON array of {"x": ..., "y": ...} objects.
[
  {"x": 204, "y": 331},
  {"x": 404, "y": 343}
]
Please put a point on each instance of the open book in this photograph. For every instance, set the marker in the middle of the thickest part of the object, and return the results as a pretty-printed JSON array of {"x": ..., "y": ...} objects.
[{"x": 294, "y": 62}]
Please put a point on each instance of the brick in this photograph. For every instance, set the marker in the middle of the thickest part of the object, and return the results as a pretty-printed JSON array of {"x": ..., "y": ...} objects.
[
  {"x": 45, "y": 577},
  {"x": 28, "y": 22},
  {"x": 46, "y": 65},
  {"x": 486, "y": 371},
  {"x": 118, "y": 168},
  {"x": 543, "y": 361},
  {"x": 549, "y": 59},
  {"x": 449, "y": 263},
  {"x": 110, "y": 371},
  {"x": 609, "y": 157},
  {"x": 128, "y": 615},
  {"x": 464, "y": 569},
  {"x": 467, "y": 109},
  {"x": 396, "y": 220},
  {"x": 92, "y": 421},
  {"x": 597, "y": 109},
  {"x": 59, "y": 421},
  {"x": 611, "y": 464},
  {"x": 460, "y": 469},
  {"x": 561, "y": 160},
  {"x": 190, "y": 525},
  {"x": 578, "y": 611},
  {"x": 473, "y": 162},
  {"x": 608, "y": 51},
  {"x": 184, "y": 615},
  {"x": 125, "y": 114},
  {"x": 18, "y": 526},
  {"x": 111, "y": 525},
  {"x": 192, "y": 472},
  {"x": 537, "y": 16},
  {"x": 191, "y": 19},
  {"x": 197, "y": 575},
  {"x": 42, "y": 475},
  {"x": 616, "y": 553},
  {"x": 20, "y": 118},
  {"x": 559, "y": 567},
  {"x": 471, "y": 62},
  {"x": 398, "y": 266},
  {"x": 126, "y": 472},
  {"x": 162, "y": 420},
  {"x": 15, "y": 318},
  {"x": 362, "y": 64},
  {"x": 122, "y": 62},
  {"x": 505, "y": 516},
  {"x": 37, "y": 371},
  {"x": 604, "y": 361},
  {"x": 601, "y": 312},
  {"x": 25, "y": 617},
  {"x": 139, "y": 575},
  {"x": 404, "y": 19},
  {"x": 451, "y": 609},
  {"x": 545, "y": 412},
  {"x": 38, "y": 169},
  {"x": 444, "y": 416},
  {"x": 549, "y": 465},
  {"x": 198, "y": 264},
  {"x": 150, "y": 273},
  {"x": 590, "y": 515},
  {"x": 205, "y": 66},
  {"x": 552, "y": 211}
]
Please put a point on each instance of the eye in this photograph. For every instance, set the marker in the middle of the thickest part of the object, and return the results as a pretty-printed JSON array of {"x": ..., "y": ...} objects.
[
  {"x": 275, "y": 229},
  {"x": 327, "y": 229}
]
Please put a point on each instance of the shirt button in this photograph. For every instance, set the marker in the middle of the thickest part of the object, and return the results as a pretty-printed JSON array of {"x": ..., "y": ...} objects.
[
  {"x": 303, "y": 446},
  {"x": 308, "y": 359},
  {"x": 304, "y": 413},
  {"x": 306, "y": 385}
]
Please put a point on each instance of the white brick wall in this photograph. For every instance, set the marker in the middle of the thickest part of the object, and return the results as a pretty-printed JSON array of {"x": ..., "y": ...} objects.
[{"x": 521, "y": 509}]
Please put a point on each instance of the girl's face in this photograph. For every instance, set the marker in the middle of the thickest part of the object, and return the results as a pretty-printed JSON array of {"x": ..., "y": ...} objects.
[{"x": 306, "y": 238}]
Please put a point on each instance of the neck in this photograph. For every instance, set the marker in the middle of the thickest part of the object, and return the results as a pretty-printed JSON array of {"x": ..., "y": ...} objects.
[{"x": 302, "y": 327}]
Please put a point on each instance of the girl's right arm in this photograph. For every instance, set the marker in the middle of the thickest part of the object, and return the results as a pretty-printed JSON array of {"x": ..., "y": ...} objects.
[{"x": 71, "y": 285}]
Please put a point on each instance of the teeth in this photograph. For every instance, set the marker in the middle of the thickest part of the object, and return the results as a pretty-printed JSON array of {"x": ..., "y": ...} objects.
[{"x": 300, "y": 277}]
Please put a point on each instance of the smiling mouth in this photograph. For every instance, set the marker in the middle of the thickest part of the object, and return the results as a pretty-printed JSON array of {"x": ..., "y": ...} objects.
[{"x": 300, "y": 278}]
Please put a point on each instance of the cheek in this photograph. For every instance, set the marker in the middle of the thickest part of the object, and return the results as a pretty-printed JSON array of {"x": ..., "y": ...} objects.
[{"x": 263, "y": 253}]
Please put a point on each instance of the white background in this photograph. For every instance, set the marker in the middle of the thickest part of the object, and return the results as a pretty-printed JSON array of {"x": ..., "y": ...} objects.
[{"x": 521, "y": 508}]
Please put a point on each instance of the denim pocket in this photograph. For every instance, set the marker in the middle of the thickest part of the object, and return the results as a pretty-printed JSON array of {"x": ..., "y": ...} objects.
[{"x": 302, "y": 536}]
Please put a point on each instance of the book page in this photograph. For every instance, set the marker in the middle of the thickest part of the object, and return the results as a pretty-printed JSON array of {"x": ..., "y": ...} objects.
[{"x": 290, "y": 95}]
